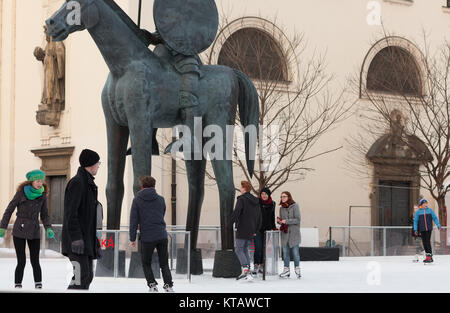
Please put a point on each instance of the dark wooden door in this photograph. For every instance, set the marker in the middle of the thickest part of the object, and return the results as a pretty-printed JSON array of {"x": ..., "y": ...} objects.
[
  {"x": 394, "y": 203},
  {"x": 394, "y": 210},
  {"x": 56, "y": 203}
]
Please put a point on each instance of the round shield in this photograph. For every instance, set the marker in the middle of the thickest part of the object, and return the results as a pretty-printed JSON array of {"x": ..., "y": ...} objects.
[{"x": 187, "y": 26}]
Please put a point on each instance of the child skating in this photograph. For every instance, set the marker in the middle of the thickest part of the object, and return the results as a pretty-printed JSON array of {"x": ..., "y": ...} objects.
[{"x": 423, "y": 224}]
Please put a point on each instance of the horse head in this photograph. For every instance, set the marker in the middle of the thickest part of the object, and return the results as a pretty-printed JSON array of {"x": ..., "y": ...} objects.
[{"x": 71, "y": 17}]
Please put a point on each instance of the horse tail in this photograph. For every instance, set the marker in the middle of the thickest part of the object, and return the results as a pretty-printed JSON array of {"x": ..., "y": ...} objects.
[{"x": 248, "y": 102}]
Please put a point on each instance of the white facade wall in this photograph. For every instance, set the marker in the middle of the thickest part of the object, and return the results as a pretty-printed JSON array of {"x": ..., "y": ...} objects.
[{"x": 338, "y": 28}]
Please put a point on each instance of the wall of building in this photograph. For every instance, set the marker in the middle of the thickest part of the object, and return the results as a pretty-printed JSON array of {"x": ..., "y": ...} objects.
[{"x": 337, "y": 28}]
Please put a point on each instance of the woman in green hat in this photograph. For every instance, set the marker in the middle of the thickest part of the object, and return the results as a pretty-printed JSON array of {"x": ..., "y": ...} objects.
[{"x": 30, "y": 201}]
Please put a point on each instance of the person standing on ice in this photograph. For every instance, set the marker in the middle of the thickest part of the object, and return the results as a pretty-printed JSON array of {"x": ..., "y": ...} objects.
[
  {"x": 31, "y": 202},
  {"x": 267, "y": 206},
  {"x": 147, "y": 212},
  {"x": 79, "y": 240},
  {"x": 417, "y": 238},
  {"x": 247, "y": 217},
  {"x": 289, "y": 221},
  {"x": 423, "y": 224}
]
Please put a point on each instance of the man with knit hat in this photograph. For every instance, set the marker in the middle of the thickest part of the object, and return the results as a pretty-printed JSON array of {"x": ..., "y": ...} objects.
[{"x": 79, "y": 240}]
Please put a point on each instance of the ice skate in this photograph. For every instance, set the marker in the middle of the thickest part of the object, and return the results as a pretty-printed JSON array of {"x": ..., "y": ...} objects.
[
  {"x": 18, "y": 286},
  {"x": 168, "y": 288},
  {"x": 416, "y": 258},
  {"x": 38, "y": 286},
  {"x": 152, "y": 287},
  {"x": 286, "y": 273},
  {"x": 245, "y": 276},
  {"x": 428, "y": 259},
  {"x": 298, "y": 272},
  {"x": 255, "y": 269}
]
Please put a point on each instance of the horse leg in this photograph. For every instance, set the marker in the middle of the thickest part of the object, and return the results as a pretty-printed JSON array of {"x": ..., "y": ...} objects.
[
  {"x": 117, "y": 147},
  {"x": 226, "y": 263},
  {"x": 141, "y": 142},
  {"x": 195, "y": 170}
]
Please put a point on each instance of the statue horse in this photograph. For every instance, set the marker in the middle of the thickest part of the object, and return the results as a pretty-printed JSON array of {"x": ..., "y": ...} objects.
[{"x": 141, "y": 95}]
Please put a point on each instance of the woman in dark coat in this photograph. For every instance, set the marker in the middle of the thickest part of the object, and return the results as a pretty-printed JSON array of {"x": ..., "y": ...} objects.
[
  {"x": 267, "y": 206},
  {"x": 30, "y": 201}
]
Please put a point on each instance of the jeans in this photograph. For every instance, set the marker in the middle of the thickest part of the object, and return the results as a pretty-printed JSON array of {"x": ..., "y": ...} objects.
[
  {"x": 147, "y": 249},
  {"x": 287, "y": 255},
  {"x": 34, "y": 246},
  {"x": 259, "y": 248},
  {"x": 242, "y": 246}
]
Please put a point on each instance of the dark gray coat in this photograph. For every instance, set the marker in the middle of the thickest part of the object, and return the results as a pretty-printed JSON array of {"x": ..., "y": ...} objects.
[
  {"x": 28, "y": 211},
  {"x": 147, "y": 212},
  {"x": 293, "y": 219},
  {"x": 80, "y": 214},
  {"x": 247, "y": 216}
]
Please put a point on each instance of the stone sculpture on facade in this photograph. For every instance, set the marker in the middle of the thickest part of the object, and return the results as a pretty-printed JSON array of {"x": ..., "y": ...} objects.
[{"x": 53, "y": 95}]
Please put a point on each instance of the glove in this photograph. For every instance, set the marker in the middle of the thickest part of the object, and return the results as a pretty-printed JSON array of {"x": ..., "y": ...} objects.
[
  {"x": 50, "y": 233},
  {"x": 2, "y": 232},
  {"x": 78, "y": 246},
  {"x": 416, "y": 233}
]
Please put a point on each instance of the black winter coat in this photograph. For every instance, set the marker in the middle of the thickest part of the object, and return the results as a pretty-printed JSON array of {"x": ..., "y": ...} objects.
[
  {"x": 148, "y": 211},
  {"x": 247, "y": 216},
  {"x": 268, "y": 216},
  {"x": 26, "y": 225},
  {"x": 80, "y": 214}
]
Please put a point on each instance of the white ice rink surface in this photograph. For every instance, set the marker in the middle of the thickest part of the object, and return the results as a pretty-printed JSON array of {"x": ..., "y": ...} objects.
[{"x": 356, "y": 274}]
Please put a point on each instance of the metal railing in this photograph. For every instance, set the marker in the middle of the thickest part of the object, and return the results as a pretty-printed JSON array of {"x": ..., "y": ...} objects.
[
  {"x": 115, "y": 235},
  {"x": 382, "y": 240},
  {"x": 178, "y": 237}
]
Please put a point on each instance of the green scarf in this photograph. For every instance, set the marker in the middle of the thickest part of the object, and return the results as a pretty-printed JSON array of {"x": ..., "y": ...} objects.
[{"x": 32, "y": 193}]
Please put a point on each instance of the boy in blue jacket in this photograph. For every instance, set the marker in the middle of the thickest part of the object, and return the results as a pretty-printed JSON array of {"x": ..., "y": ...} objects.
[{"x": 423, "y": 223}]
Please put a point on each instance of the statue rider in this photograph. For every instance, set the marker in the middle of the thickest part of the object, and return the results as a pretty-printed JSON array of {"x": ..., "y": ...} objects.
[{"x": 184, "y": 31}]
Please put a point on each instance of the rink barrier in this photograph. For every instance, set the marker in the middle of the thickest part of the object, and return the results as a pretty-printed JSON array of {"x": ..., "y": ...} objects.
[
  {"x": 273, "y": 244},
  {"x": 172, "y": 234},
  {"x": 347, "y": 240}
]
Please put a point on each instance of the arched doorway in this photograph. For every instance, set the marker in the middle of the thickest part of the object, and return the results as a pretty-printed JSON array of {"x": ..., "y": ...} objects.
[{"x": 396, "y": 158}]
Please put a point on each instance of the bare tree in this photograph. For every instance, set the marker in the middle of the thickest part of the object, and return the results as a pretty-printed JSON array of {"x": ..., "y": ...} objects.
[
  {"x": 297, "y": 106},
  {"x": 417, "y": 86}
]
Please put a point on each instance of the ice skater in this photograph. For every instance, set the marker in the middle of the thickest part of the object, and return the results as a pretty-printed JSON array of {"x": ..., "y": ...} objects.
[
  {"x": 289, "y": 221},
  {"x": 267, "y": 206},
  {"x": 423, "y": 224},
  {"x": 30, "y": 201},
  {"x": 147, "y": 212},
  {"x": 79, "y": 233},
  {"x": 247, "y": 216}
]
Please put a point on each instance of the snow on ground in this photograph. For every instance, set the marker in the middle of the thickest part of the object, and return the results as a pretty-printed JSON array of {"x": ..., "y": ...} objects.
[{"x": 351, "y": 274}]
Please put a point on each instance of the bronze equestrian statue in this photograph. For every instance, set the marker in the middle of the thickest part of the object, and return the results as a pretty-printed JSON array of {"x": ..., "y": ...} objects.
[{"x": 148, "y": 90}]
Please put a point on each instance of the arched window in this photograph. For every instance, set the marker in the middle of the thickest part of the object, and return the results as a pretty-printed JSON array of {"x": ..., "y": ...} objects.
[
  {"x": 255, "y": 53},
  {"x": 394, "y": 70}
]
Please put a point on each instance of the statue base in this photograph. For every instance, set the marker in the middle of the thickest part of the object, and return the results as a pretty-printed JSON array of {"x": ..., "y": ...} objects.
[
  {"x": 48, "y": 117},
  {"x": 226, "y": 264},
  {"x": 105, "y": 265},
  {"x": 196, "y": 262}
]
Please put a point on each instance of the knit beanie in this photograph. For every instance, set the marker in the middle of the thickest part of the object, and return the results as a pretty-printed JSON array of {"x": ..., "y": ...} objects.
[
  {"x": 88, "y": 158},
  {"x": 422, "y": 201},
  {"x": 266, "y": 190},
  {"x": 35, "y": 175}
]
